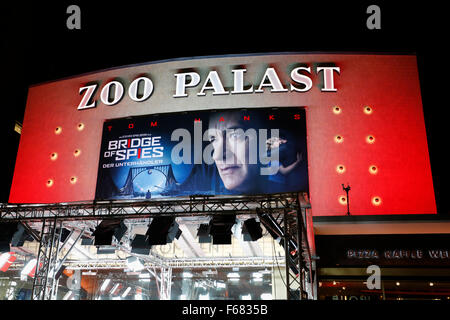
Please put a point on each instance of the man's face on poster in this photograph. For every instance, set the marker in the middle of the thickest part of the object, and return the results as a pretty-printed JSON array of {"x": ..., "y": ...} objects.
[{"x": 231, "y": 151}]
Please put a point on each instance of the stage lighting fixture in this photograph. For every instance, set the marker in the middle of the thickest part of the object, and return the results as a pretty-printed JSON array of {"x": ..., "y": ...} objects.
[
  {"x": 271, "y": 225},
  {"x": 277, "y": 233},
  {"x": 20, "y": 236},
  {"x": 106, "y": 250},
  {"x": 120, "y": 230},
  {"x": 139, "y": 245},
  {"x": 220, "y": 228},
  {"x": 85, "y": 241},
  {"x": 106, "y": 230},
  {"x": 162, "y": 230},
  {"x": 12, "y": 234},
  {"x": 251, "y": 230},
  {"x": 203, "y": 233}
]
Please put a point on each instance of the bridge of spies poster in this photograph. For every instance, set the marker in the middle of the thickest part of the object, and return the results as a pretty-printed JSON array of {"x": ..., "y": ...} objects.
[{"x": 220, "y": 152}]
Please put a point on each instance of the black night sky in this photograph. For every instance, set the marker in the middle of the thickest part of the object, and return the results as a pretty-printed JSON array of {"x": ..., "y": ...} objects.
[{"x": 36, "y": 46}]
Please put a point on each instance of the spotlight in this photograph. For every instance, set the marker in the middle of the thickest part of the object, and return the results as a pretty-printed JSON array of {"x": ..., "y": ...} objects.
[
  {"x": 106, "y": 250},
  {"x": 277, "y": 233},
  {"x": 203, "y": 233},
  {"x": 162, "y": 230},
  {"x": 251, "y": 230},
  {"x": 120, "y": 230},
  {"x": 220, "y": 228},
  {"x": 139, "y": 245},
  {"x": 12, "y": 234},
  {"x": 20, "y": 236},
  {"x": 271, "y": 225},
  {"x": 106, "y": 230},
  {"x": 86, "y": 241}
]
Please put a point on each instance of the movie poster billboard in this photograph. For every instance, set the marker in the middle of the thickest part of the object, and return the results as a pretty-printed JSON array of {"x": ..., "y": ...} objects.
[{"x": 222, "y": 152}]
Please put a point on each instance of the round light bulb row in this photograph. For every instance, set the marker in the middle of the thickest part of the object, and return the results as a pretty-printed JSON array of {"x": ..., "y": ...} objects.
[
  {"x": 366, "y": 109},
  {"x": 50, "y": 182},
  {"x": 375, "y": 200},
  {"x": 54, "y": 155},
  {"x": 340, "y": 168}
]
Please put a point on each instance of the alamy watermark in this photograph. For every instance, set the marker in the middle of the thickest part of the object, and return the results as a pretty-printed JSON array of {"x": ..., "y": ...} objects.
[
  {"x": 374, "y": 280},
  {"x": 228, "y": 147}
]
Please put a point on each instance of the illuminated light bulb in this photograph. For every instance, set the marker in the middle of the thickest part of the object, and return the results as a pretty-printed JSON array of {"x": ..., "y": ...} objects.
[
  {"x": 73, "y": 180},
  {"x": 370, "y": 139},
  {"x": 376, "y": 201},
  {"x": 77, "y": 152},
  {"x": 58, "y": 130},
  {"x": 373, "y": 169},
  {"x": 340, "y": 168},
  {"x": 338, "y": 139},
  {"x": 337, "y": 109},
  {"x": 343, "y": 200},
  {"x": 368, "y": 110},
  {"x": 80, "y": 126},
  {"x": 53, "y": 156},
  {"x": 397, "y": 283},
  {"x": 49, "y": 183},
  {"x": 431, "y": 284}
]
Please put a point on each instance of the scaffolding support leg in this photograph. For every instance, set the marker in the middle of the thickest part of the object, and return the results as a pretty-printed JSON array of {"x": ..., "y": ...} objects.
[
  {"x": 286, "y": 254},
  {"x": 44, "y": 278},
  {"x": 299, "y": 253}
]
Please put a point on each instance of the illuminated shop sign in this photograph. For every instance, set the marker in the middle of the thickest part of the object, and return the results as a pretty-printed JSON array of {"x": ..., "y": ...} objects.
[
  {"x": 257, "y": 151},
  {"x": 397, "y": 254},
  {"x": 142, "y": 88},
  {"x": 384, "y": 250}
]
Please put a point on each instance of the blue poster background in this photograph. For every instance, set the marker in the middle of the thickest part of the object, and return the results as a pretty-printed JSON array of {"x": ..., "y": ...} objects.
[{"x": 136, "y": 155}]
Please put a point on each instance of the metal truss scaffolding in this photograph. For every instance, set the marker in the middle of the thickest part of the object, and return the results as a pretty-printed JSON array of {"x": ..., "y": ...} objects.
[
  {"x": 285, "y": 211},
  {"x": 43, "y": 282}
]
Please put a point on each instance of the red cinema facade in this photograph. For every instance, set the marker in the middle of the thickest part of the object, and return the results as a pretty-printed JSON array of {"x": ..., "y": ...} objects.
[{"x": 364, "y": 118}]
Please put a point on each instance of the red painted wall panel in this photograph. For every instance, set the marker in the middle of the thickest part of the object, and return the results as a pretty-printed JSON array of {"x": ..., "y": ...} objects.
[{"x": 389, "y": 84}]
